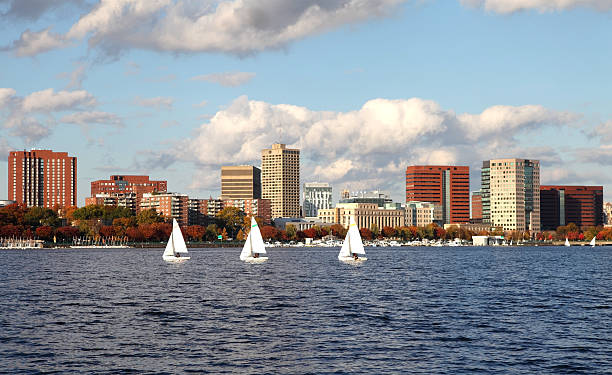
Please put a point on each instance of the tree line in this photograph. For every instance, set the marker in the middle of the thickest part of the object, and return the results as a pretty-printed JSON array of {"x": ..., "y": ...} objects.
[{"x": 19, "y": 221}]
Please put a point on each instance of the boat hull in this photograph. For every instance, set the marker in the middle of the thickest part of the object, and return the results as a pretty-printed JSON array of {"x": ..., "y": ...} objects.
[
  {"x": 256, "y": 260},
  {"x": 352, "y": 260},
  {"x": 172, "y": 259}
]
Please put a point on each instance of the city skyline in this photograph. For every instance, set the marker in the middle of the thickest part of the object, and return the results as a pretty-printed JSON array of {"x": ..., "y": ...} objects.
[{"x": 363, "y": 94}]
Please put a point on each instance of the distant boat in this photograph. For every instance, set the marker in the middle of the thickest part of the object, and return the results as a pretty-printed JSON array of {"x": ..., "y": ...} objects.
[
  {"x": 176, "y": 250},
  {"x": 510, "y": 242},
  {"x": 592, "y": 242},
  {"x": 253, "y": 246},
  {"x": 352, "y": 245},
  {"x": 567, "y": 242}
]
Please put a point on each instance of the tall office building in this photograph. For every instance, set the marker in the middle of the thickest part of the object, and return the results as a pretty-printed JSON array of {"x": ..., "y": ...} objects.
[
  {"x": 515, "y": 194},
  {"x": 316, "y": 196},
  {"x": 561, "y": 205},
  {"x": 280, "y": 180},
  {"x": 448, "y": 186},
  {"x": 240, "y": 182},
  {"x": 485, "y": 191},
  {"x": 42, "y": 178}
]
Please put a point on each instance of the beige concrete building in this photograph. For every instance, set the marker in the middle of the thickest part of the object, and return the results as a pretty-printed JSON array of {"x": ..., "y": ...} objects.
[
  {"x": 420, "y": 214},
  {"x": 280, "y": 180},
  {"x": 515, "y": 194},
  {"x": 366, "y": 214},
  {"x": 240, "y": 182}
]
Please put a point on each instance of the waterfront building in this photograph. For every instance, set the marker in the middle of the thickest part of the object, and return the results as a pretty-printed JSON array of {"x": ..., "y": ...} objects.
[
  {"x": 240, "y": 182},
  {"x": 515, "y": 194},
  {"x": 117, "y": 185},
  {"x": 476, "y": 216},
  {"x": 561, "y": 205},
  {"x": 198, "y": 212},
  {"x": 420, "y": 214},
  {"x": 377, "y": 197},
  {"x": 608, "y": 213},
  {"x": 316, "y": 195},
  {"x": 42, "y": 178},
  {"x": 280, "y": 180},
  {"x": 300, "y": 224},
  {"x": 170, "y": 205},
  {"x": 252, "y": 207},
  {"x": 485, "y": 191},
  {"x": 127, "y": 199},
  {"x": 214, "y": 206},
  {"x": 448, "y": 186},
  {"x": 366, "y": 215}
]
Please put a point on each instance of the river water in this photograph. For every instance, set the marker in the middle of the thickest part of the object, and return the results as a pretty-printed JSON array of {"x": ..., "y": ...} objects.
[{"x": 461, "y": 310}]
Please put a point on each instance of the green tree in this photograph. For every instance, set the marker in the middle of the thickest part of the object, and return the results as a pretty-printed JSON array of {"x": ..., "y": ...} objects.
[
  {"x": 375, "y": 230},
  {"x": 231, "y": 218},
  {"x": 40, "y": 216},
  {"x": 291, "y": 231},
  {"x": 149, "y": 216}
]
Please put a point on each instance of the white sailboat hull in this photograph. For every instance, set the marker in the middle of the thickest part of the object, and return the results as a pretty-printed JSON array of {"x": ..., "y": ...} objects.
[
  {"x": 255, "y": 260},
  {"x": 173, "y": 259},
  {"x": 352, "y": 260}
]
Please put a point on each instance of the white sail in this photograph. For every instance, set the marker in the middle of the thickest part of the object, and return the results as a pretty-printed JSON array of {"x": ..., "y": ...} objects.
[
  {"x": 176, "y": 243},
  {"x": 592, "y": 242},
  {"x": 567, "y": 242},
  {"x": 254, "y": 243},
  {"x": 352, "y": 243}
]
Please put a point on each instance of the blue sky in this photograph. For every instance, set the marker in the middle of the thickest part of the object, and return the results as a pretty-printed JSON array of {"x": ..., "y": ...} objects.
[{"x": 175, "y": 89}]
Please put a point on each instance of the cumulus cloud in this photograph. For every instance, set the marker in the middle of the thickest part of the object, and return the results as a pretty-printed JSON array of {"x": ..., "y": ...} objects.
[
  {"x": 603, "y": 131},
  {"x": 48, "y": 100},
  {"x": 227, "y": 79},
  {"x": 511, "y": 6},
  {"x": 237, "y": 27},
  {"x": 33, "y": 117},
  {"x": 157, "y": 102},
  {"x": 372, "y": 143}
]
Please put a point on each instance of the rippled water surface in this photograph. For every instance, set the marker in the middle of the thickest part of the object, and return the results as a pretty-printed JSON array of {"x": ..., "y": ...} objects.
[{"x": 410, "y": 310}]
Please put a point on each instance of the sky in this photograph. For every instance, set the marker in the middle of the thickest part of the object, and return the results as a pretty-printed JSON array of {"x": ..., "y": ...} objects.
[{"x": 175, "y": 89}]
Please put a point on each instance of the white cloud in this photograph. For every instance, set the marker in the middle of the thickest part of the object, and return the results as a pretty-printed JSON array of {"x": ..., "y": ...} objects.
[
  {"x": 5, "y": 95},
  {"x": 76, "y": 77},
  {"x": 32, "y": 43},
  {"x": 48, "y": 100},
  {"x": 370, "y": 144},
  {"x": 603, "y": 131},
  {"x": 157, "y": 102},
  {"x": 201, "y": 104},
  {"x": 94, "y": 117},
  {"x": 232, "y": 26},
  {"x": 227, "y": 79},
  {"x": 511, "y": 6}
]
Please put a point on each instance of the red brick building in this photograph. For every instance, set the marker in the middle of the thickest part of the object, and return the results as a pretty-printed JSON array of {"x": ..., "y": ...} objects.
[
  {"x": 252, "y": 207},
  {"x": 42, "y": 178},
  {"x": 447, "y": 185},
  {"x": 120, "y": 186},
  {"x": 170, "y": 205},
  {"x": 476, "y": 207},
  {"x": 561, "y": 205}
]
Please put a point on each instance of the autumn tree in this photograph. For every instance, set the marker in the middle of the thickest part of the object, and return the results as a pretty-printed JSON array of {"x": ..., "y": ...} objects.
[
  {"x": 338, "y": 231},
  {"x": 45, "y": 232},
  {"x": 291, "y": 231},
  {"x": 365, "y": 233},
  {"x": 268, "y": 232},
  {"x": 231, "y": 218},
  {"x": 389, "y": 232},
  {"x": 195, "y": 232}
]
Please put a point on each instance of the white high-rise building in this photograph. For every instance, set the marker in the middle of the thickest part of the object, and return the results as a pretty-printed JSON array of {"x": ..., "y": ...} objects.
[
  {"x": 316, "y": 196},
  {"x": 515, "y": 194},
  {"x": 280, "y": 180}
]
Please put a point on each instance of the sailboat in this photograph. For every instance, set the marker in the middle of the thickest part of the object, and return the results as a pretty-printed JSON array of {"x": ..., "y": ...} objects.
[
  {"x": 592, "y": 242},
  {"x": 352, "y": 245},
  {"x": 176, "y": 250},
  {"x": 567, "y": 244},
  {"x": 253, "y": 246}
]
